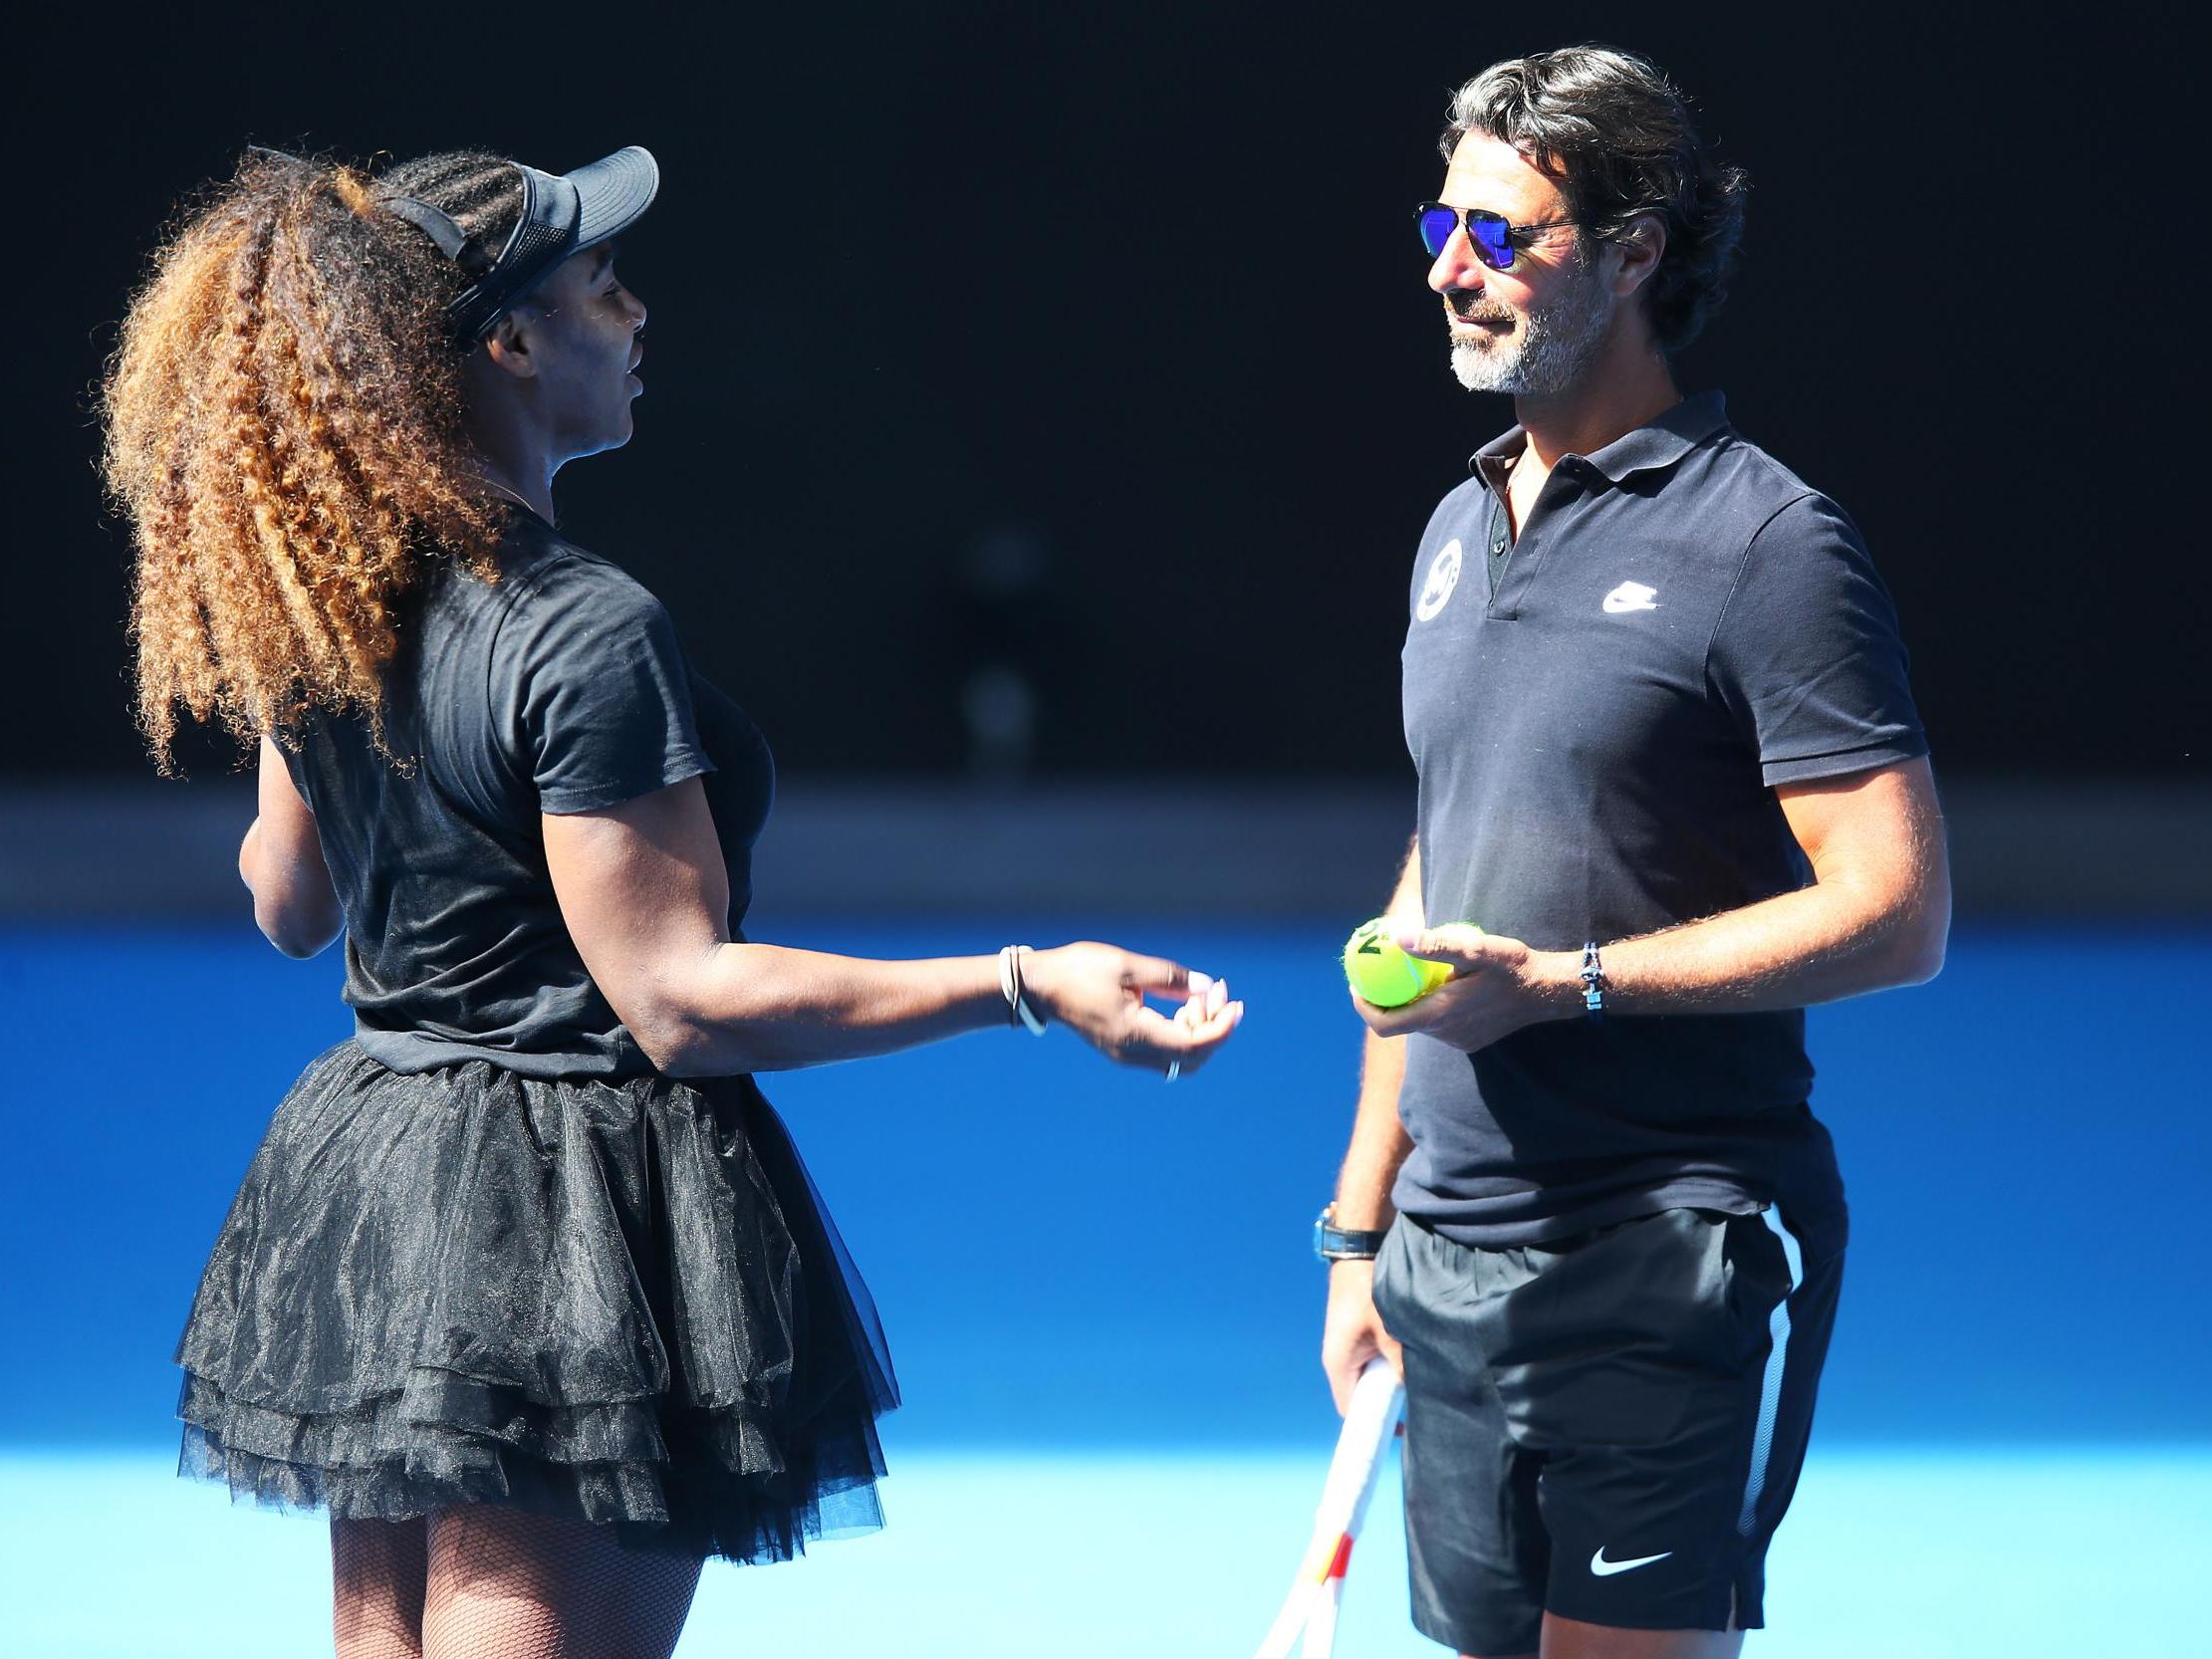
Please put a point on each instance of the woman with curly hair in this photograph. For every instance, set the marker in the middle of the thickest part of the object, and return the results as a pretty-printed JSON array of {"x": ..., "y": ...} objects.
[{"x": 526, "y": 1285}]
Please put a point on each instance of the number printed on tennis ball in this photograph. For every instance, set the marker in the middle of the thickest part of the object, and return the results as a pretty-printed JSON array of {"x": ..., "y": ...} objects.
[{"x": 1385, "y": 975}]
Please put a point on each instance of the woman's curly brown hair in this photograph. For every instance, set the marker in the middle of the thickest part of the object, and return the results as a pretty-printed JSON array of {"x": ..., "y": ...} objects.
[{"x": 284, "y": 432}]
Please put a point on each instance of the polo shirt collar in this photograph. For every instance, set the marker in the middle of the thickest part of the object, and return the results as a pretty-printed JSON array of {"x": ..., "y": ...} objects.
[{"x": 1649, "y": 448}]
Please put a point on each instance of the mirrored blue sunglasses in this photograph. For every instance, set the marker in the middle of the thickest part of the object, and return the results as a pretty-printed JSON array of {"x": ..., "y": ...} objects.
[{"x": 1490, "y": 234}]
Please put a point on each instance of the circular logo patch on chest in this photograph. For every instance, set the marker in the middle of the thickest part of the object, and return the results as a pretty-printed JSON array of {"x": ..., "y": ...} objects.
[{"x": 1443, "y": 577}]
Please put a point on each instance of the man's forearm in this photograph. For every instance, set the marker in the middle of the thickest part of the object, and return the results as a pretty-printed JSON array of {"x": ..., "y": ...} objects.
[
  {"x": 1819, "y": 944},
  {"x": 1878, "y": 914},
  {"x": 1379, "y": 1140}
]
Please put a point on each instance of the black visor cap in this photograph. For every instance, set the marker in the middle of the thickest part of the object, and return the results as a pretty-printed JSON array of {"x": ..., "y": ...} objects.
[{"x": 562, "y": 214}]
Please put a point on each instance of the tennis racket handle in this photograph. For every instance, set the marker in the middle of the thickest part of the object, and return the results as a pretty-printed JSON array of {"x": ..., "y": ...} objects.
[
  {"x": 1370, "y": 1421},
  {"x": 1321, "y": 1623}
]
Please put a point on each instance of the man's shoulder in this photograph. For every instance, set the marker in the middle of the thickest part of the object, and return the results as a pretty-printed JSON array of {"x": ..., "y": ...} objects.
[
  {"x": 1760, "y": 489},
  {"x": 1470, "y": 494}
]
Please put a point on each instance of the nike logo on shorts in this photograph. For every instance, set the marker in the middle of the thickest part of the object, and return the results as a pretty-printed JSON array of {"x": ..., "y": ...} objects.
[{"x": 1605, "y": 1569}]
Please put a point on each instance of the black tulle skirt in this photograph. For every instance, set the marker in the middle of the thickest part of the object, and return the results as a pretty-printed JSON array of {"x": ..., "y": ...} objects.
[{"x": 619, "y": 1301}]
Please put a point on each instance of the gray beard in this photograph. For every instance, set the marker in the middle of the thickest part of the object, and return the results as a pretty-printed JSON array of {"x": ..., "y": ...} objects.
[{"x": 1552, "y": 350}]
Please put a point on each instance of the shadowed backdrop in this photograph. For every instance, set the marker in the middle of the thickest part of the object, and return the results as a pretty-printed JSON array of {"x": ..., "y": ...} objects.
[{"x": 1021, "y": 379}]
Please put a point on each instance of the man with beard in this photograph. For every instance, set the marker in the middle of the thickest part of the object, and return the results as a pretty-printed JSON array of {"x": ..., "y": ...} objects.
[{"x": 1670, "y": 760}]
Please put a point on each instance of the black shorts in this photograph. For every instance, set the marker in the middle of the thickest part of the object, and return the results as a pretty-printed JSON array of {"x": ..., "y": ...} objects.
[{"x": 1608, "y": 1427}]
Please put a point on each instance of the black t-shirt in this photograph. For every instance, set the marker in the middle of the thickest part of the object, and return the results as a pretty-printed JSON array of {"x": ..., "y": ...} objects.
[
  {"x": 559, "y": 688},
  {"x": 1682, "y": 625}
]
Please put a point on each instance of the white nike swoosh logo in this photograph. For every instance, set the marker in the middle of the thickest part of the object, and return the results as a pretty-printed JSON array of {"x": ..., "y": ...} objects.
[
  {"x": 1605, "y": 1569},
  {"x": 1631, "y": 595}
]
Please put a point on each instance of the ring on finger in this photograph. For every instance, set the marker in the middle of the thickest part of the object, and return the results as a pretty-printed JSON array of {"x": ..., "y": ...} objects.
[{"x": 1174, "y": 1070}]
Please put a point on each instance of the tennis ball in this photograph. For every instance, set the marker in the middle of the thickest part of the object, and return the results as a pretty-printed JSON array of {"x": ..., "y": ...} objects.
[{"x": 1385, "y": 975}]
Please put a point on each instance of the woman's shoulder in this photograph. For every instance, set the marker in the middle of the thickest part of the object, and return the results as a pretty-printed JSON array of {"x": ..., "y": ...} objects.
[
  {"x": 549, "y": 593},
  {"x": 539, "y": 566}
]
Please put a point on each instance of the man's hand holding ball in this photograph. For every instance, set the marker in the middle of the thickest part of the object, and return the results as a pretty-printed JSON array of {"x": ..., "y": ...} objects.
[{"x": 1495, "y": 987}]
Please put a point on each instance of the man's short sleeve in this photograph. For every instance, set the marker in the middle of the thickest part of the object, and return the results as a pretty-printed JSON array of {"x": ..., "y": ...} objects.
[
  {"x": 1807, "y": 654},
  {"x": 597, "y": 691}
]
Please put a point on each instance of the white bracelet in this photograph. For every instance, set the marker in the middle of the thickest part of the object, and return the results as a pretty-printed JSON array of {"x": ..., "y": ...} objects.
[{"x": 1010, "y": 987}]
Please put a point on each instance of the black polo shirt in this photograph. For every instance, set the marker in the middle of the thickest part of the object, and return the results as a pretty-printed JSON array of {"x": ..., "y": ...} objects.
[{"x": 1682, "y": 625}]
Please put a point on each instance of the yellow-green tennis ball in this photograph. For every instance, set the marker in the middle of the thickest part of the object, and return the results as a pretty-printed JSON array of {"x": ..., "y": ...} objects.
[{"x": 1385, "y": 975}]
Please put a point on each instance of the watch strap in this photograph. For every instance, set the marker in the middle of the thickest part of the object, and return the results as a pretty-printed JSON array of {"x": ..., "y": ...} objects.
[{"x": 1344, "y": 1244}]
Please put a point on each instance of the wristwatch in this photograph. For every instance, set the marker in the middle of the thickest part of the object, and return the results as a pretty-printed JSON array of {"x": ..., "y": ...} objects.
[{"x": 1342, "y": 1244}]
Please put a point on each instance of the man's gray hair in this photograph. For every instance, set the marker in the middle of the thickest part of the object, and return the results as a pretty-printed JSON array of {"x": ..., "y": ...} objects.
[{"x": 1615, "y": 134}]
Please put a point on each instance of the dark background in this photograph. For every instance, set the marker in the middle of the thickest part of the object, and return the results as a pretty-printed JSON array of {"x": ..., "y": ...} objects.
[{"x": 1124, "y": 305}]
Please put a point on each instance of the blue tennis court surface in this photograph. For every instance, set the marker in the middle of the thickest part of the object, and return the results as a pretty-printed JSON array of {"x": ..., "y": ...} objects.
[
  {"x": 2022, "y": 1554},
  {"x": 1116, "y": 1429}
]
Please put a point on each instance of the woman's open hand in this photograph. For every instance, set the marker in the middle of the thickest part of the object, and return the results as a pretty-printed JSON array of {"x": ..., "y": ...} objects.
[{"x": 1097, "y": 991}]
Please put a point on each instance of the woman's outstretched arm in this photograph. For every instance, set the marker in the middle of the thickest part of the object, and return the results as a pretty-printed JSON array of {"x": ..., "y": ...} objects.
[{"x": 646, "y": 897}]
